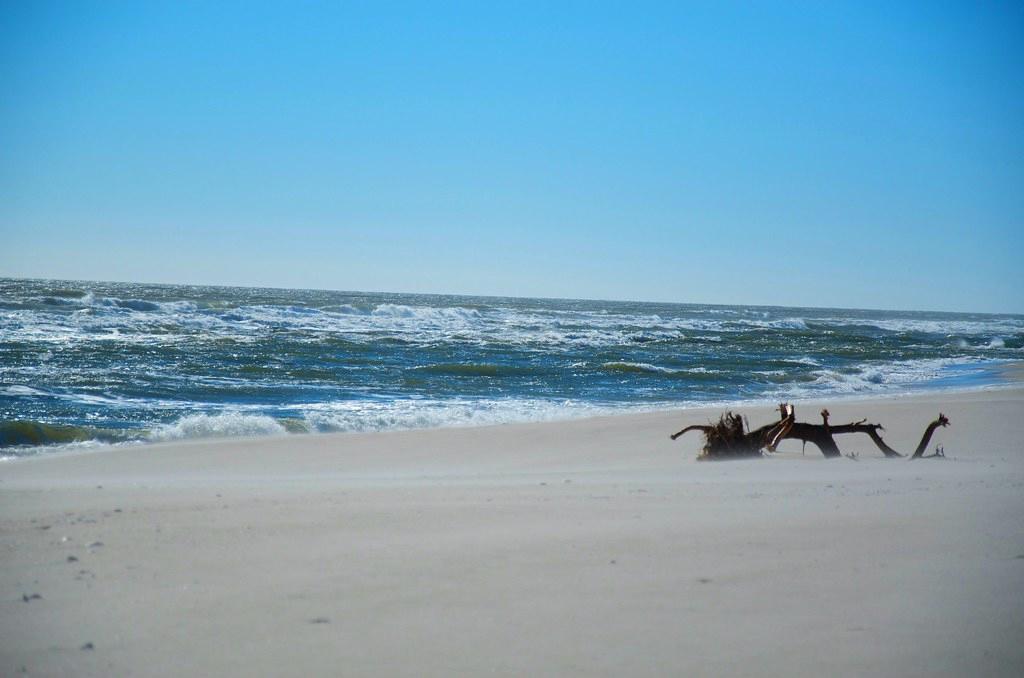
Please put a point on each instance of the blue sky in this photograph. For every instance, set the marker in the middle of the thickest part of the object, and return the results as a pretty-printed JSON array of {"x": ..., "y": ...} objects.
[{"x": 819, "y": 154}]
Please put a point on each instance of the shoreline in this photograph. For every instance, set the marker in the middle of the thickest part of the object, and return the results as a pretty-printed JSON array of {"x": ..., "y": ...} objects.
[
  {"x": 759, "y": 411},
  {"x": 1011, "y": 377},
  {"x": 581, "y": 548}
]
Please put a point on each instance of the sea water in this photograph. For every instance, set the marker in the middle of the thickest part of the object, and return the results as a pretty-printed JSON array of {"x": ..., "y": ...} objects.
[{"x": 93, "y": 363}]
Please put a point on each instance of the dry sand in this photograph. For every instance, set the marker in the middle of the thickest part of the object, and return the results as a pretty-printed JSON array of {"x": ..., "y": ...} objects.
[{"x": 592, "y": 548}]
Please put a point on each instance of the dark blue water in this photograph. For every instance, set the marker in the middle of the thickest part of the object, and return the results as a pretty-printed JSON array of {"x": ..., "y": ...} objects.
[{"x": 113, "y": 362}]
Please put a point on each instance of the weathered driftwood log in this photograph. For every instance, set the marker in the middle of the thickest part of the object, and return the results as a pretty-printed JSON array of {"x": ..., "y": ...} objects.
[{"x": 730, "y": 439}]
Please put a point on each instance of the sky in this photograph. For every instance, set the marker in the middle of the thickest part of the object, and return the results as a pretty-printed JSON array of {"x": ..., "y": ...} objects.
[{"x": 866, "y": 155}]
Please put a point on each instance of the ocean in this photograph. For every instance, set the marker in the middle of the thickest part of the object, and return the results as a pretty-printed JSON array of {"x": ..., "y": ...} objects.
[{"x": 85, "y": 364}]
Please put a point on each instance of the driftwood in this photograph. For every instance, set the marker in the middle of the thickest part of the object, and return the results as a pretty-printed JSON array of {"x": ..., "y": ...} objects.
[{"x": 731, "y": 439}]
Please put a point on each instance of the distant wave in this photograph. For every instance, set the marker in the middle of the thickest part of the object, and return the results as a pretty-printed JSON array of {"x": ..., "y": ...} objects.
[
  {"x": 697, "y": 373},
  {"x": 628, "y": 367},
  {"x": 66, "y": 293},
  {"x": 803, "y": 360},
  {"x": 21, "y": 390},
  {"x": 781, "y": 324},
  {"x": 85, "y": 300},
  {"x": 944, "y": 327},
  {"x": 59, "y": 301},
  {"x": 425, "y": 312},
  {"x": 137, "y": 319},
  {"x": 477, "y": 370}
]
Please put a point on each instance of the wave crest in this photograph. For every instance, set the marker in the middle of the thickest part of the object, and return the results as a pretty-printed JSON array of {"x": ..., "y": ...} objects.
[
  {"x": 694, "y": 373},
  {"x": 22, "y": 433},
  {"x": 629, "y": 367},
  {"x": 223, "y": 425},
  {"x": 425, "y": 312},
  {"x": 475, "y": 370}
]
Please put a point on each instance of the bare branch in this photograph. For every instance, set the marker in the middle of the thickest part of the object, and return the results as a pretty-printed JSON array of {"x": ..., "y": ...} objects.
[
  {"x": 729, "y": 439},
  {"x": 695, "y": 427},
  {"x": 942, "y": 421}
]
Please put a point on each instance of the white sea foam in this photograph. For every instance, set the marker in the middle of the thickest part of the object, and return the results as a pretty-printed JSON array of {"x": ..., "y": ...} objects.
[
  {"x": 142, "y": 320},
  {"x": 404, "y": 414},
  {"x": 77, "y": 446},
  {"x": 20, "y": 390},
  {"x": 625, "y": 366},
  {"x": 780, "y": 324},
  {"x": 874, "y": 377},
  {"x": 426, "y": 313},
  {"x": 945, "y": 326},
  {"x": 227, "y": 424}
]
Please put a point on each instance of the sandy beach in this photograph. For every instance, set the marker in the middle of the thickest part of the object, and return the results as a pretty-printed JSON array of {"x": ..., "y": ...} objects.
[
  {"x": 593, "y": 547},
  {"x": 351, "y": 339}
]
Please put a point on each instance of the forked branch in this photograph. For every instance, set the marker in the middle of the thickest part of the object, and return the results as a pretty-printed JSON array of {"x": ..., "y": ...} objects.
[{"x": 729, "y": 439}]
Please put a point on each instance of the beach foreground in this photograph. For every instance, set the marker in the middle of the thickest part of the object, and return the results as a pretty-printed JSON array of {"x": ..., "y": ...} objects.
[{"x": 591, "y": 547}]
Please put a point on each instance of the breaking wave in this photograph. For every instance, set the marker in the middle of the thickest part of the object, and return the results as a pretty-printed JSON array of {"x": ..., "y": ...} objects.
[
  {"x": 21, "y": 433},
  {"x": 230, "y": 424},
  {"x": 476, "y": 370}
]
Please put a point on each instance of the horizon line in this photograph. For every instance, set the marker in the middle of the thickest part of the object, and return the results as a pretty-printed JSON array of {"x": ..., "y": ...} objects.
[{"x": 503, "y": 296}]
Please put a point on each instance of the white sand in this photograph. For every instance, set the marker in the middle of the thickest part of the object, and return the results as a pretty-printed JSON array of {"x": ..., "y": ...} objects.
[{"x": 592, "y": 548}]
